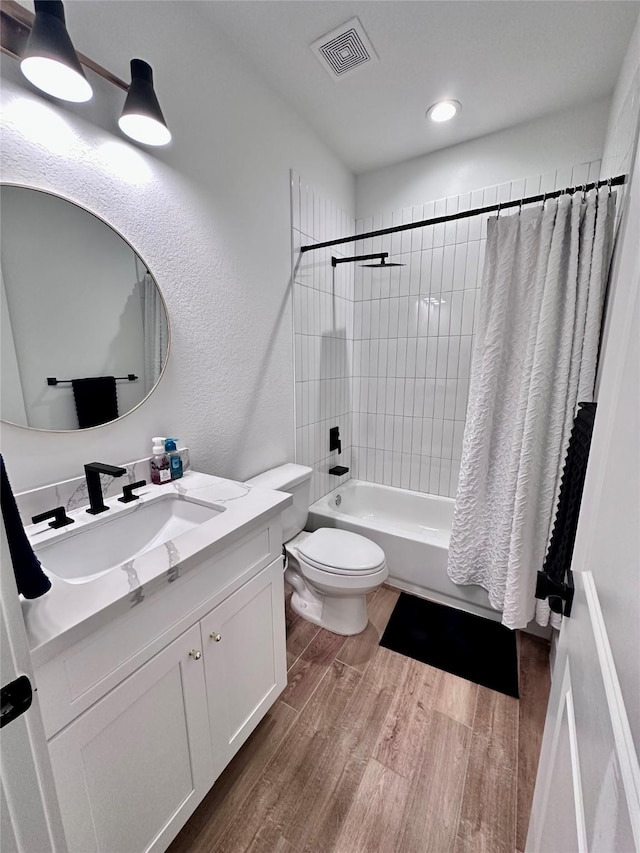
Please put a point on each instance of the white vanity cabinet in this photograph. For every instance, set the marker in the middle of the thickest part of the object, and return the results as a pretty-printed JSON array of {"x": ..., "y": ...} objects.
[
  {"x": 135, "y": 747},
  {"x": 245, "y": 668},
  {"x": 131, "y": 769}
]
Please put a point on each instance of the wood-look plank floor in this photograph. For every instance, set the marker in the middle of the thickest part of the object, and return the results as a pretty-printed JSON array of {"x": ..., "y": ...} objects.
[{"x": 367, "y": 750}]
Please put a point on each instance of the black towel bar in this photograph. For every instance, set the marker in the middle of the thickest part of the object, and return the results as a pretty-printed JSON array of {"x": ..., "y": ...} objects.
[{"x": 51, "y": 380}]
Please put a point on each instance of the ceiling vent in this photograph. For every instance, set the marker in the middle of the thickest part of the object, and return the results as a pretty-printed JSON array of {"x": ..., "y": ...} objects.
[{"x": 344, "y": 50}]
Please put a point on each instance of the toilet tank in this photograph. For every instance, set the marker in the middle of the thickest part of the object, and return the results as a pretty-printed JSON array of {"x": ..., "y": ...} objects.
[{"x": 296, "y": 480}]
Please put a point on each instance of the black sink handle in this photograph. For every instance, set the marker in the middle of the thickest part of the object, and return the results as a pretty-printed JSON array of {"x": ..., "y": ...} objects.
[
  {"x": 127, "y": 492},
  {"x": 59, "y": 516}
]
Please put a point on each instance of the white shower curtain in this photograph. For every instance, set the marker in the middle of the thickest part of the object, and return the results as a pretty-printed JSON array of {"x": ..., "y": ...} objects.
[
  {"x": 156, "y": 332},
  {"x": 534, "y": 359}
]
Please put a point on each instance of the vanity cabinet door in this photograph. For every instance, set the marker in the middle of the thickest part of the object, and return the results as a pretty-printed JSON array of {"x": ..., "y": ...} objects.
[
  {"x": 245, "y": 660},
  {"x": 131, "y": 769}
]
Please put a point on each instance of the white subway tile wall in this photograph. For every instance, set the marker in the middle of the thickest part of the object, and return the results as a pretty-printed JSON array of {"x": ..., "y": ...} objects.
[
  {"x": 413, "y": 330},
  {"x": 323, "y": 335},
  {"x": 385, "y": 355}
]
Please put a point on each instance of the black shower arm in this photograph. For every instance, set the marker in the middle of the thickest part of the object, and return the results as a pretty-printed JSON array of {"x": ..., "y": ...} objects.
[{"x": 381, "y": 255}]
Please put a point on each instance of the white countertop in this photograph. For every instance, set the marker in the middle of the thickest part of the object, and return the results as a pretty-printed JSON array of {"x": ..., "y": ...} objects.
[{"x": 70, "y": 610}]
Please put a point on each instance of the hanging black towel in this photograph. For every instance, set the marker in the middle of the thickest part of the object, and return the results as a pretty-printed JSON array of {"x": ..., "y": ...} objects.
[
  {"x": 558, "y": 560},
  {"x": 30, "y": 579},
  {"x": 96, "y": 400}
]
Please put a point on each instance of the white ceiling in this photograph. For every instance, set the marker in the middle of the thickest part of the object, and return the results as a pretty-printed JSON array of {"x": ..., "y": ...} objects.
[{"x": 507, "y": 61}]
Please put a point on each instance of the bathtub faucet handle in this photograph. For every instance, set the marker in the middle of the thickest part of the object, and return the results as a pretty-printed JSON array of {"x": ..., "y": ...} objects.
[{"x": 334, "y": 439}]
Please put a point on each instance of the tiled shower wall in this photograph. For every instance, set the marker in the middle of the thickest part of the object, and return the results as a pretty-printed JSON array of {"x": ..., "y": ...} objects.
[
  {"x": 413, "y": 336},
  {"x": 323, "y": 339}
]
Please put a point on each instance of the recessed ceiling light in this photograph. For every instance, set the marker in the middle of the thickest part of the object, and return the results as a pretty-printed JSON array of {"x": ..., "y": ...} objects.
[{"x": 443, "y": 110}]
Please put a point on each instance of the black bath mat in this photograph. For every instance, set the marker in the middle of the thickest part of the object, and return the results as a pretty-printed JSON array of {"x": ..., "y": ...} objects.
[{"x": 466, "y": 645}]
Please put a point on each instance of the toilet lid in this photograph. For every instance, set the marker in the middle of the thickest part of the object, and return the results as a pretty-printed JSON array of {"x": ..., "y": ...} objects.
[{"x": 341, "y": 551}]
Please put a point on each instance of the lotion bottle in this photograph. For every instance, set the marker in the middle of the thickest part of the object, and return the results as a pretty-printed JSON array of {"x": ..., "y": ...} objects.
[{"x": 160, "y": 470}]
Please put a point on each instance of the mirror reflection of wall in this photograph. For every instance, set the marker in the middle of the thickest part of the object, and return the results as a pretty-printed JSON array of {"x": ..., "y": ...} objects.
[{"x": 77, "y": 303}]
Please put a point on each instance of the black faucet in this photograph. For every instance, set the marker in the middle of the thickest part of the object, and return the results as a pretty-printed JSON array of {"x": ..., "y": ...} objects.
[{"x": 92, "y": 472}]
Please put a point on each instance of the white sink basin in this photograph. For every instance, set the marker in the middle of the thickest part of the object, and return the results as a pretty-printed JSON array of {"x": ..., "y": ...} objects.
[{"x": 97, "y": 548}]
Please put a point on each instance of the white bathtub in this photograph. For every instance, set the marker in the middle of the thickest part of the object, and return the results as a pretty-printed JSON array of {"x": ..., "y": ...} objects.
[{"x": 413, "y": 530}]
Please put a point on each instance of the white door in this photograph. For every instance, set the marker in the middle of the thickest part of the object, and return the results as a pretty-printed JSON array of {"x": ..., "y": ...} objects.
[
  {"x": 29, "y": 815},
  {"x": 245, "y": 660},
  {"x": 587, "y": 795},
  {"x": 132, "y": 769}
]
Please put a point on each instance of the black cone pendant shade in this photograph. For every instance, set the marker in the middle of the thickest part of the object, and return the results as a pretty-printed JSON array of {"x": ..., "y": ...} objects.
[
  {"x": 50, "y": 61},
  {"x": 142, "y": 117}
]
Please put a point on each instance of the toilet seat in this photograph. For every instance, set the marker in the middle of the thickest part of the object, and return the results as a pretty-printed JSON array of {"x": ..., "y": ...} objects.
[{"x": 341, "y": 552}]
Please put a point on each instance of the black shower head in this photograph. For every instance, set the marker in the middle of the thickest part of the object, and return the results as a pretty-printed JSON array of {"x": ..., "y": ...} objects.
[
  {"x": 383, "y": 263},
  {"x": 382, "y": 256}
]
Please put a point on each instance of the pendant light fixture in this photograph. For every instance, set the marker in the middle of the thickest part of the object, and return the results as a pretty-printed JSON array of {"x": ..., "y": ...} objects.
[
  {"x": 142, "y": 117},
  {"x": 50, "y": 61}
]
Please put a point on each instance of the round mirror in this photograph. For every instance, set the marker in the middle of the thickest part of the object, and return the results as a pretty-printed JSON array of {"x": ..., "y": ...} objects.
[{"x": 84, "y": 329}]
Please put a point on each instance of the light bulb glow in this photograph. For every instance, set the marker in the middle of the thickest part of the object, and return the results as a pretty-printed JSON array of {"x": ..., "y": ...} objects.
[
  {"x": 443, "y": 110},
  {"x": 144, "y": 129},
  {"x": 125, "y": 162},
  {"x": 45, "y": 125},
  {"x": 56, "y": 79}
]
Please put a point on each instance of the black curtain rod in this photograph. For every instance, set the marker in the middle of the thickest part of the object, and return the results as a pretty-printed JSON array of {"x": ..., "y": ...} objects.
[{"x": 611, "y": 182}]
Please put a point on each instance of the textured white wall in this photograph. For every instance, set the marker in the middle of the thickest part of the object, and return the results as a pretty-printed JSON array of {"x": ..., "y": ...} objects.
[
  {"x": 622, "y": 129},
  {"x": 608, "y": 535},
  {"x": 618, "y": 156},
  {"x": 211, "y": 217},
  {"x": 607, "y": 539},
  {"x": 548, "y": 144}
]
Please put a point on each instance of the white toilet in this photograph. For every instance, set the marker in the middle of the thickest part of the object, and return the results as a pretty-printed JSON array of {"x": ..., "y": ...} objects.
[{"x": 331, "y": 571}]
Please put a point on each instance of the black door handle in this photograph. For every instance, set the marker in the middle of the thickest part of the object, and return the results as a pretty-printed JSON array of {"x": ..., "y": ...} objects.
[{"x": 15, "y": 699}]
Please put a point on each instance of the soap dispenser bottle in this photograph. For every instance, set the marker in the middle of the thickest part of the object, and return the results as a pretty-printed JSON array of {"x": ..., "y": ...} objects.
[
  {"x": 175, "y": 460},
  {"x": 160, "y": 470}
]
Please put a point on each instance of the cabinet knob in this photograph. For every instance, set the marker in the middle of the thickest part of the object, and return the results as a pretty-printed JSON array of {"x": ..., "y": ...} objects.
[
  {"x": 195, "y": 654},
  {"x": 215, "y": 637}
]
